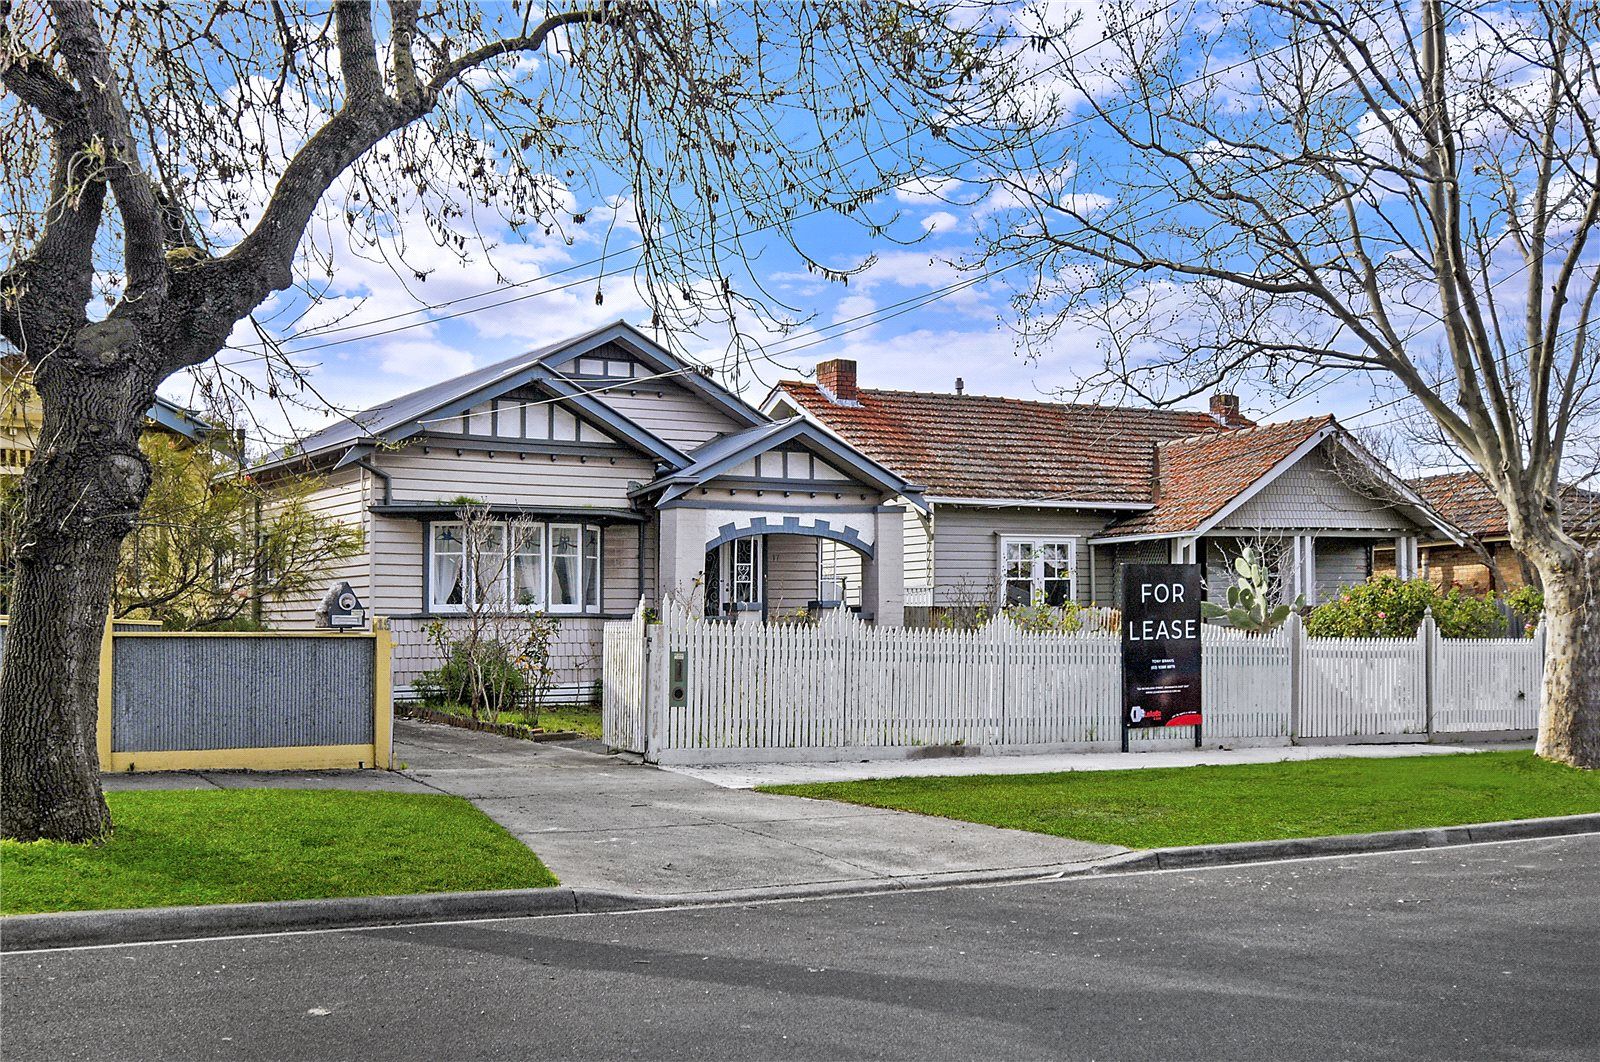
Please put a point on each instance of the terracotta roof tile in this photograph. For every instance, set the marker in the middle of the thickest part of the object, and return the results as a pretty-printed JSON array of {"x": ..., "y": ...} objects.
[
  {"x": 978, "y": 446},
  {"x": 1466, "y": 500},
  {"x": 1198, "y": 476}
]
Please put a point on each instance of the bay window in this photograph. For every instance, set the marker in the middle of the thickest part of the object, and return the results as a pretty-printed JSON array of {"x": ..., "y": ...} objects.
[
  {"x": 1038, "y": 571},
  {"x": 514, "y": 566}
]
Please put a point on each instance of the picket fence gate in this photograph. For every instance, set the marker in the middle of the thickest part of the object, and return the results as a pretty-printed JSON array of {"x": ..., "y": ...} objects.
[{"x": 689, "y": 690}]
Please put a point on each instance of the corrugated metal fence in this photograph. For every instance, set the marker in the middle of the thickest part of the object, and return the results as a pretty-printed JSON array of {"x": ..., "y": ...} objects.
[
  {"x": 183, "y": 700},
  {"x": 687, "y": 690}
]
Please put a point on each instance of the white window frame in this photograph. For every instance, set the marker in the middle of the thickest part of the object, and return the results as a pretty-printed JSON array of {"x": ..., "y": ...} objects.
[
  {"x": 543, "y": 529},
  {"x": 1036, "y": 573}
]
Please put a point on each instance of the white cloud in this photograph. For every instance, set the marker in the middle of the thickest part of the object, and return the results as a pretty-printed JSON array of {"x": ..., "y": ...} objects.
[{"x": 940, "y": 221}]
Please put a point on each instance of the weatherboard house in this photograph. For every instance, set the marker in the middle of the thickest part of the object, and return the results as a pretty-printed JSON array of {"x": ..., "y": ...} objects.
[
  {"x": 620, "y": 473},
  {"x": 613, "y": 471},
  {"x": 1025, "y": 501}
]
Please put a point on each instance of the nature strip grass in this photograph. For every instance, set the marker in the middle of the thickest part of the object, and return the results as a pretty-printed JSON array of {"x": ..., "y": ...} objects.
[
  {"x": 179, "y": 847},
  {"x": 1163, "y": 807}
]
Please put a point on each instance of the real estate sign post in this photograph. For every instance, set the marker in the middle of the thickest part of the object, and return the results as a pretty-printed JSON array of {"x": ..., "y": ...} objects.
[{"x": 1160, "y": 647}]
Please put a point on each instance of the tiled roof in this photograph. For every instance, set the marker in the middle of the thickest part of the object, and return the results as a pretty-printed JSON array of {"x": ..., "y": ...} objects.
[
  {"x": 976, "y": 446},
  {"x": 1197, "y": 476},
  {"x": 1467, "y": 500}
]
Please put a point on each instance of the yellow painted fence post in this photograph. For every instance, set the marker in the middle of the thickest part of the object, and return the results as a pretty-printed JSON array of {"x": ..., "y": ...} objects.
[
  {"x": 108, "y": 653},
  {"x": 382, "y": 693}
]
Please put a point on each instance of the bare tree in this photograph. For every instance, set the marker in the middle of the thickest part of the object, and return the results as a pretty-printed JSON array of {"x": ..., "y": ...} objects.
[
  {"x": 164, "y": 164},
  {"x": 1292, "y": 193}
]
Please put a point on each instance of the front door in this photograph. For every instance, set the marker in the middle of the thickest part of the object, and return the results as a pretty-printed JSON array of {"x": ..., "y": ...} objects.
[{"x": 733, "y": 577}]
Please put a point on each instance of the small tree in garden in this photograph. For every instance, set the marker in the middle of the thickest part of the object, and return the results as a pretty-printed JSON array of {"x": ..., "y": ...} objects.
[
  {"x": 1250, "y": 599},
  {"x": 1386, "y": 607},
  {"x": 495, "y": 655}
]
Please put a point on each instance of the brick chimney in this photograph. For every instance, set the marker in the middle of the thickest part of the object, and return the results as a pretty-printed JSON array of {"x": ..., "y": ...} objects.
[
  {"x": 837, "y": 378},
  {"x": 1225, "y": 410}
]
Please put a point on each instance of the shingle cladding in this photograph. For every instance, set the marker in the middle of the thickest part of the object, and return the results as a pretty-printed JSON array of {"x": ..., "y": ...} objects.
[{"x": 977, "y": 446}]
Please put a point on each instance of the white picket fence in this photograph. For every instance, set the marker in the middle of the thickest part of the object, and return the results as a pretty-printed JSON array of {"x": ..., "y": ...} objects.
[{"x": 688, "y": 690}]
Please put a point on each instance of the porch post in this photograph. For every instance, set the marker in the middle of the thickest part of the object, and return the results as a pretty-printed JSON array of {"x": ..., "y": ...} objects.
[
  {"x": 883, "y": 575},
  {"x": 681, "y": 560}
]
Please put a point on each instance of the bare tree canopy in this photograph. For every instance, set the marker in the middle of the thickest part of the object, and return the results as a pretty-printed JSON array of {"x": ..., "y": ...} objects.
[
  {"x": 1296, "y": 192},
  {"x": 169, "y": 166}
]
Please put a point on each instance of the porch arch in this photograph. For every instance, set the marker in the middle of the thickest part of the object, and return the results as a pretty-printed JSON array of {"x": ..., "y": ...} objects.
[{"x": 792, "y": 525}]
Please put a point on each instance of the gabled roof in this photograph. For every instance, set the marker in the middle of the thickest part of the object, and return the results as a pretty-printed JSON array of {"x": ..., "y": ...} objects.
[
  {"x": 399, "y": 417},
  {"x": 977, "y": 446},
  {"x": 1468, "y": 502},
  {"x": 717, "y": 456},
  {"x": 1200, "y": 480},
  {"x": 1199, "y": 476}
]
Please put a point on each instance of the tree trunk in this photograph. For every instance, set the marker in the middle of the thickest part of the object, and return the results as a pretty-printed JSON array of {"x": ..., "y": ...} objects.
[
  {"x": 81, "y": 495},
  {"x": 1569, "y": 725}
]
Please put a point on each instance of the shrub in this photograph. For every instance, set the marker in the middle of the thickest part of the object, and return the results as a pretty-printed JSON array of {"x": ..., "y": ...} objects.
[
  {"x": 488, "y": 675},
  {"x": 1527, "y": 602},
  {"x": 1387, "y": 607}
]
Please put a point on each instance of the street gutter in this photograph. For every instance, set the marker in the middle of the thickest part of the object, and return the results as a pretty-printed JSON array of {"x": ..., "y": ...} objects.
[{"x": 75, "y": 929}]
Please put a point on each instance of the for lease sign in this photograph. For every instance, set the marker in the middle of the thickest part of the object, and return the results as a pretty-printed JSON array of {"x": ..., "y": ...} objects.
[{"x": 1161, "y": 644}]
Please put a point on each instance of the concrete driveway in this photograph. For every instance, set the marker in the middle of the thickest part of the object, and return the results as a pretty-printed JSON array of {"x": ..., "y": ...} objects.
[{"x": 599, "y": 821}]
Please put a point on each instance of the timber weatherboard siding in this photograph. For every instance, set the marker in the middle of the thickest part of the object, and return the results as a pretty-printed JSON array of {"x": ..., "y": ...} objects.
[
  {"x": 966, "y": 547},
  {"x": 670, "y": 412},
  {"x": 343, "y": 496}
]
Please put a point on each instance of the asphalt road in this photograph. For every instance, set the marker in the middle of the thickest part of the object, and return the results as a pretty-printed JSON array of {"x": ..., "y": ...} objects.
[{"x": 1489, "y": 951}]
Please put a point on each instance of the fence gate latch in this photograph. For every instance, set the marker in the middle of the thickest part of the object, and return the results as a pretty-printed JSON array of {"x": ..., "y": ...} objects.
[{"x": 678, "y": 680}]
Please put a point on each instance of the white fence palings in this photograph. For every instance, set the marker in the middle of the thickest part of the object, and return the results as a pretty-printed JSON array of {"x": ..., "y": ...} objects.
[
  {"x": 759, "y": 690},
  {"x": 1363, "y": 687},
  {"x": 1485, "y": 684},
  {"x": 1245, "y": 683}
]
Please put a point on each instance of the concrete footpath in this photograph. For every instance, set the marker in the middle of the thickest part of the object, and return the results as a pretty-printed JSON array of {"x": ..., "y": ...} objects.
[{"x": 750, "y": 775}]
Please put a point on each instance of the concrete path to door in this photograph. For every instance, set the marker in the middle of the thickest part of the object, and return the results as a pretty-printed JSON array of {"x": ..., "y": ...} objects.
[{"x": 602, "y": 822}]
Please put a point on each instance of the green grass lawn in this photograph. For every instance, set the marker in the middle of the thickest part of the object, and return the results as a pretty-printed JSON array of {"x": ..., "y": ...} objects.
[
  {"x": 177, "y": 847},
  {"x": 1161, "y": 807},
  {"x": 585, "y": 721}
]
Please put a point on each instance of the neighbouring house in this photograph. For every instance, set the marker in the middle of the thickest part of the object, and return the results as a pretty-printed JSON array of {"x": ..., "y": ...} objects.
[
  {"x": 1486, "y": 561},
  {"x": 21, "y": 416},
  {"x": 621, "y": 474},
  {"x": 1028, "y": 500}
]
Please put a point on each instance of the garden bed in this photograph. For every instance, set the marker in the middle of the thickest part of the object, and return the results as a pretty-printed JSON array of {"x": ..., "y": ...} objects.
[{"x": 510, "y": 729}]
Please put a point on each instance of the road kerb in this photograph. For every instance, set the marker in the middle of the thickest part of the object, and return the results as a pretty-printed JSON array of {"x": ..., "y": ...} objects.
[{"x": 145, "y": 925}]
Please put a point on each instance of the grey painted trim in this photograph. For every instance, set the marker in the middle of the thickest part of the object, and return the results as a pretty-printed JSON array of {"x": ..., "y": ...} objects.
[
  {"x": 800, "y": 486},
  {"x": 753, "y": 507},
  {"x": 658, "y": 357},
  {"x": 798, "y": 428},
  {"x": 451, "y": 511},
  {"x": 791, "y": 525},
  {"x": 489, "y": 443}
]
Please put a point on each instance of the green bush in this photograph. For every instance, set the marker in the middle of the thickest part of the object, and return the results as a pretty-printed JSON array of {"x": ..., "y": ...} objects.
[
  {"x": 1528, "y": 601},
  {"x": 1386, "y": 607},
  {"x": 485, "y": 678}
]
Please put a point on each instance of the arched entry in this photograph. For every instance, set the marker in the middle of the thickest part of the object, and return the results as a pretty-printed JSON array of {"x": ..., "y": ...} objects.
[{"x": 768, "y": 568}]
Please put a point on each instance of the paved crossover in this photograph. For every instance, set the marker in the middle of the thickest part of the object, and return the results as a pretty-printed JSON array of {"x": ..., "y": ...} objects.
[
  {"x": 602, "y": 822},
  {"x": 1490, "y": 951}
]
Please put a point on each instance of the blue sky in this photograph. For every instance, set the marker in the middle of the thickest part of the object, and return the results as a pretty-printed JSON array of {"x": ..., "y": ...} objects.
[{"x": 374, "y": 332}]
